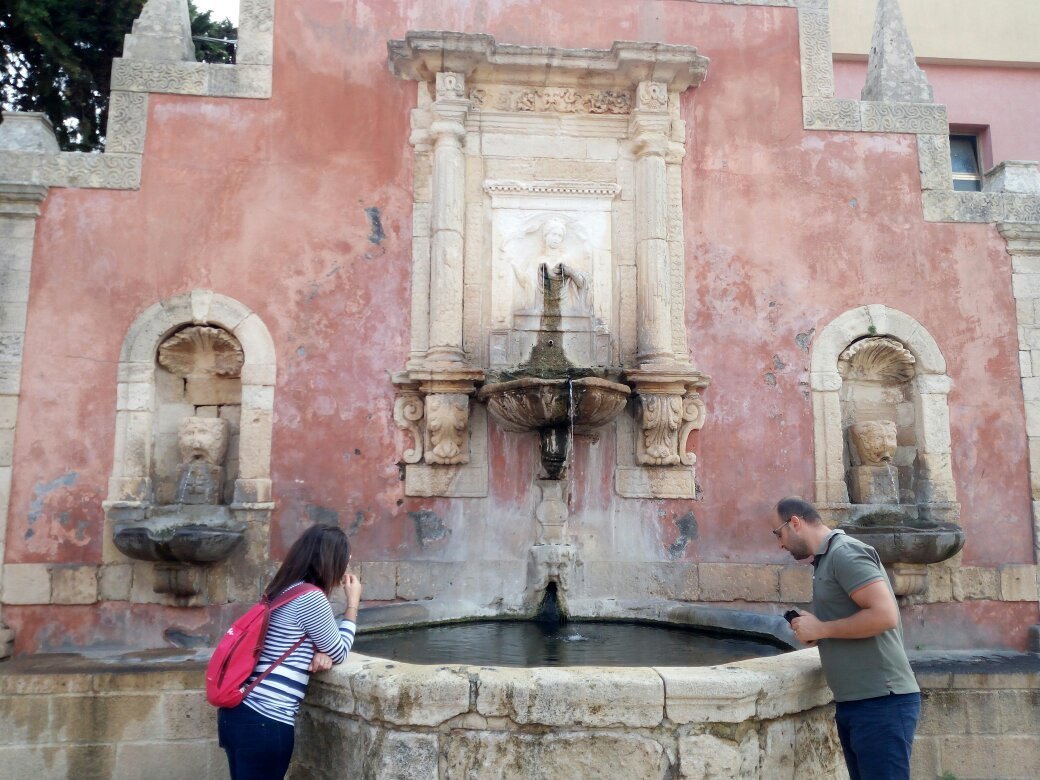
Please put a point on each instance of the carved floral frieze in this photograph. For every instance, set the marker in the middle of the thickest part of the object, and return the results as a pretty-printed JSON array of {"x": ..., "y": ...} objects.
[{"x": 562, "y": 100}]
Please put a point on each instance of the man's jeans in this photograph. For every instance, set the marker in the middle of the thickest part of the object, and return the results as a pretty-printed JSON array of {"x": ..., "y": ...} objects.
[{"x": 877, "y": 735}]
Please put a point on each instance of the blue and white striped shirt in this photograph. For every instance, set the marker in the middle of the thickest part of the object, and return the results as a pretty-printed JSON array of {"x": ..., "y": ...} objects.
[{"x": 278, "y": 695}]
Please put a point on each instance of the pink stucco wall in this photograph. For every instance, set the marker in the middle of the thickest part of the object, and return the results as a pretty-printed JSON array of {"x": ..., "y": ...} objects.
[
  {"x": 998, "y": 103},
  {"x": 263, "y": 200}
]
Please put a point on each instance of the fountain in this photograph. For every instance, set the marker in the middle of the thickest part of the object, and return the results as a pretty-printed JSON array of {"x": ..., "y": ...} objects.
[
  {"x": 184, "y": 521},
  {"x": 559, "y": 305},
  {"x": 891, "y": 506},
  {"x": 549, "y": 395}
]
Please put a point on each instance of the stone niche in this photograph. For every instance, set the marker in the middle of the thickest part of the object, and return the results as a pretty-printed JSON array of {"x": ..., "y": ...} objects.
[
  {"x": 882, "y": 438},
  {"x": 531, "y": 158},
  {"x": 191, "y": 474}
]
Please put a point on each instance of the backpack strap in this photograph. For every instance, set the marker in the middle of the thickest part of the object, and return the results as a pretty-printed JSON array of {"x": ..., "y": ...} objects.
[
  {"x": 284, "y": 598},
  {"x": 292, "y": 592}
]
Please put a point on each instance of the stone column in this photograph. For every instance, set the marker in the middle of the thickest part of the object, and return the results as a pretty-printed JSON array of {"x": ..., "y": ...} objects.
[
  {"x": 447, "y": 132},
  {"x": 19, "y": 208},
  {"x": 649, "y": 127},
  {"x": 666, "y": 382}
]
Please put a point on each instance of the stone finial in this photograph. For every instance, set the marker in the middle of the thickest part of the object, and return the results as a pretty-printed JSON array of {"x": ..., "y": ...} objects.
[
  {"x": 162, "y": 33},
  {"x": 27, "y": 131},
  {"x": 892, "y": 72}
]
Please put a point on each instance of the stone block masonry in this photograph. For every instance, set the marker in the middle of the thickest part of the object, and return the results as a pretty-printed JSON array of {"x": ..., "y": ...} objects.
[{"x": 62, "y": 717}]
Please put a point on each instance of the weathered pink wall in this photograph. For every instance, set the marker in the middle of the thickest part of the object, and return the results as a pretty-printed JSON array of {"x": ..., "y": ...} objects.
[
  {"x": 1000, "y": 102},
  {"x": 263, "y": 200}
]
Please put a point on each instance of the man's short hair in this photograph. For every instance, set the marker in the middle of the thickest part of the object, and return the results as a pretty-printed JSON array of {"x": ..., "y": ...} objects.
[{"x": 788, "y": 507}]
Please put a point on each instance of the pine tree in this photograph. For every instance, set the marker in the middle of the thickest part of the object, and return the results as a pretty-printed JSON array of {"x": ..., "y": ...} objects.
[{"x": 58, "y": 59}]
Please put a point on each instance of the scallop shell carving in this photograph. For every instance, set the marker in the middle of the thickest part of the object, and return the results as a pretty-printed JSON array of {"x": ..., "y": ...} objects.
[
  {"x": 201, "y": 350},
  {"x": 881, "y": 359}
]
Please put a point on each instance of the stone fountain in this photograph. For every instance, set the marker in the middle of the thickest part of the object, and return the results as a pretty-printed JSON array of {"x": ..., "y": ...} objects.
[
  {"x": 549, "y": 395},
  {"x": 186, "y": 523},
  {"x": 893, "y": 506},
  {"x": 548, "y": 284}
]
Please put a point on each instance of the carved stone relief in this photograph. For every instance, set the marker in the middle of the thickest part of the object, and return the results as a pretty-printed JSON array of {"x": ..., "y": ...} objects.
[
  {"x": 552, "y": 264},
  {"x": 883, "y": 359},
  {"x": 571, "y": 241},
  {"x": 561, "y": 100},
  {"x": 201, "y": 350},
  {"x": 447, "y": 419}
]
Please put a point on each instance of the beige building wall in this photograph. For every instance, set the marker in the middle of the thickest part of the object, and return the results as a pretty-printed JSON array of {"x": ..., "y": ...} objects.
[{"x": 998, "y": 32}]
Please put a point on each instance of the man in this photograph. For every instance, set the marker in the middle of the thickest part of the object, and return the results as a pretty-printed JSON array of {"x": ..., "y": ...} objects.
[{"x": 855, "y": 623}]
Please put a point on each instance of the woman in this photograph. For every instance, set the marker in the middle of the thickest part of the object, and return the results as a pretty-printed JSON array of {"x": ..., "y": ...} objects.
[{"x": 258, "y": 735}]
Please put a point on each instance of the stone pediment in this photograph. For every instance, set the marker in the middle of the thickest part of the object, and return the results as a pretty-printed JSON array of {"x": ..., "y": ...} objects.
[{"x": 423, "y": 54}]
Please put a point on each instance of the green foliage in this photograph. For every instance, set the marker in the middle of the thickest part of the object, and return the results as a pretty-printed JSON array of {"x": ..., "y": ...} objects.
[
  {"x": 58, "y": 59},
  {"x": 208, "y": 34}
]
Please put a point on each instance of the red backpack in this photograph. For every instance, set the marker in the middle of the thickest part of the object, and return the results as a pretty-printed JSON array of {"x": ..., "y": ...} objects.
[{"x": 239, "y": 650}]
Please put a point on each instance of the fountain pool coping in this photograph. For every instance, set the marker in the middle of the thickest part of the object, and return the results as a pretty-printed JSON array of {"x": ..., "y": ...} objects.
[
  {"x": 407, "y": 694},
  {"x": 374, "y": 717}
]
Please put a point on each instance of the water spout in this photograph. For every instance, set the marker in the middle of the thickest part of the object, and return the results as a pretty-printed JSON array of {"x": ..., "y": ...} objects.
[{"x": 551, "y": 611}]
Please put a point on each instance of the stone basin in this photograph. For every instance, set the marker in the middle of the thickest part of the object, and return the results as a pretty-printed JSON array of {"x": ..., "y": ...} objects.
[
  {"x": 907, "y": 540},
  {"x": 896, "y": 544},
  {"x": 189, "y": 533},
  {"x": 762, "y": 717},
  {"x": 533, "y": 403}
]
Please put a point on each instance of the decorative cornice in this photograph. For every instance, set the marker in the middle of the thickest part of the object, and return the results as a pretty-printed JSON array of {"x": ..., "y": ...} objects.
[
  {"x": 551, "y": 188},
  {"x": 422, "y": 54}
]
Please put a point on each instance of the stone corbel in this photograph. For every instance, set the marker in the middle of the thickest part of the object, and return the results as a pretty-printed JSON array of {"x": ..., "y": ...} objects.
[
  {"x": 434, "y": 409},
  {"x": 409, "y": 414},
  {"x": 447, "y": 428},
  {"x": 670, "y": 408}
]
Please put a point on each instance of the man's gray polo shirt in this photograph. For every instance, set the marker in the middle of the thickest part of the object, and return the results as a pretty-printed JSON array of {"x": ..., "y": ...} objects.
[{"x": 856, "y": 668}]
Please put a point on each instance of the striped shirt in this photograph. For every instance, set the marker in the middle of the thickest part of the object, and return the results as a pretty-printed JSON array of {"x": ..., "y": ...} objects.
[{"x": 278, "y": 695}]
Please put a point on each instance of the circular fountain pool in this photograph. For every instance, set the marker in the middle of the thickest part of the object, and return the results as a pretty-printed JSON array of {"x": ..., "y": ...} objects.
[
  {"x": 511, "y": 715},
  {"x": 583, "y": 643}
]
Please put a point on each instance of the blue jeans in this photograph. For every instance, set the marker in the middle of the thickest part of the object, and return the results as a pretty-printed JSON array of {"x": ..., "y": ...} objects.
[
  {"x": 877, "y": 735},
  {"x": 257, "y": 747}
]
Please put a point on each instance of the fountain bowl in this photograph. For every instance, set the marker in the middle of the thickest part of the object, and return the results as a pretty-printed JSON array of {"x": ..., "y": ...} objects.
[
  {"x": 189, "y": 533},
  {"x": 534, "y": 403},
  {"x": 900, "y": 538}
]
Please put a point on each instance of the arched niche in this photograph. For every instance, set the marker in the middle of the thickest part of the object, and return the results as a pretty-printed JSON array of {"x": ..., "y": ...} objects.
[
  {"x": 155, "y": 392},
  {"x": 876, "y": 337}
]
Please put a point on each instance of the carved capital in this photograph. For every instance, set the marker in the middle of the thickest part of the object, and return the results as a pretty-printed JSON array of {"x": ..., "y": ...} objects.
[
  {"x": 450, "y": 85},
  {"x": 409, "y": 412},
  {"x": 447, "y": 428},
  {"x": 450, "y": 107},
  {"x": 652, "y": 96}
]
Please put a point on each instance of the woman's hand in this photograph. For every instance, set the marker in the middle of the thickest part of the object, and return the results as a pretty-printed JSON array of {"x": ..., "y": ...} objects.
[
  {"x": 320, "y": 663},
  {"x": 352, "y": 590}
]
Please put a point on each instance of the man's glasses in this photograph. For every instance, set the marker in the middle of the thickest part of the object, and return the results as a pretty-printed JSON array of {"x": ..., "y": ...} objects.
[{"x": 776, "y": 531}]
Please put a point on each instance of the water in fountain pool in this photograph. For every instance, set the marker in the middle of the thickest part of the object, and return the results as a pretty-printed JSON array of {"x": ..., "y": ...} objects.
[{"x": 576, "y": 643}]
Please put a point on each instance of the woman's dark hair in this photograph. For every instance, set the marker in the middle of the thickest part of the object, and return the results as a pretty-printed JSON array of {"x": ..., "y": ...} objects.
[{"x": 320, "y": 557}]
